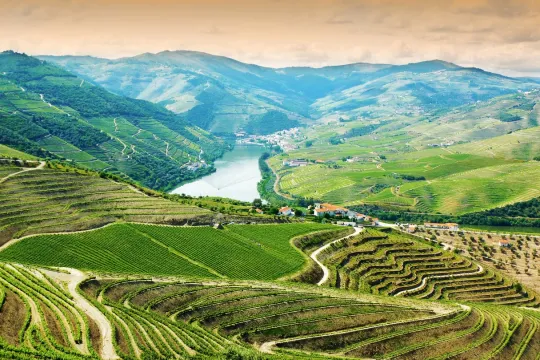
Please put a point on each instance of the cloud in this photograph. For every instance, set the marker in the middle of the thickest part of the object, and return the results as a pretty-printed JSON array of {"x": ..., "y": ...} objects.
[
  {"x": 339, "y": 20},
  {"x": 460, "y": 29},
  {"x": 521, "y": 36},
  {"x": 214, "y": 30},
  {"x": 499, "y": 8},
  {"x": 404, "y": 51},
  {"x": 309, "y": 54}
]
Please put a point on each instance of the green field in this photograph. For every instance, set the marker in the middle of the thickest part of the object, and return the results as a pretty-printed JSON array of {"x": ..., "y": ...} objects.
[
  {"x": 298, "y": 324},
  {"x": 6, "y": 151},
  {"x": 262, "y": 252},
  {"x": 383, "y": 170},
  {"x": 52, "y": 200}
]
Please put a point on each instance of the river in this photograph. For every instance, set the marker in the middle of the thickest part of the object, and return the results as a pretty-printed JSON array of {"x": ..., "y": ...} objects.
[{"x": 236, "y": 177}]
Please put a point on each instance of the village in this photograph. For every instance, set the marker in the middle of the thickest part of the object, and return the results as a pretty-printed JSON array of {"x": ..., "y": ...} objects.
[
  {"x": 346, "y": 217},
  {"x": 284, "y": 139}
]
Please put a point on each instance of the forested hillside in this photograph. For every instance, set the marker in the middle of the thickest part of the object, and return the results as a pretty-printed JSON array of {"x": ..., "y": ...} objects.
[
  {"x": 49, "y": 112},
  {"x": 223, "y": 95}
]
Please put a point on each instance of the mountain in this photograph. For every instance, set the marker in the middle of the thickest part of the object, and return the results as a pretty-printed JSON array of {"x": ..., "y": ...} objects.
[
  {"x": 50, "y": 112},
  {"x": 223, "y": 95}
]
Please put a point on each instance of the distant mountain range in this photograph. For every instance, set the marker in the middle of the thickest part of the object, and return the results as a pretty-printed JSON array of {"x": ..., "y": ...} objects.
[{"x": 223, "y": 95}]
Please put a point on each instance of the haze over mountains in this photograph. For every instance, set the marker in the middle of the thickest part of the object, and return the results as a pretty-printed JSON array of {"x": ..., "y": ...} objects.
[{"x": 223, "y": 95}]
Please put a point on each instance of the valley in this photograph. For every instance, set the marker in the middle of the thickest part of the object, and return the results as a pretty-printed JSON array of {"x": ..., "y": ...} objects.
[{"x": 167, "y": 206}]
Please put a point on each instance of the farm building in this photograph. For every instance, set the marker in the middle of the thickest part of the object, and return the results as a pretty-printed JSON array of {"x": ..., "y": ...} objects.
[
  {"x": 295, "y": 162},
  {"x": 356, "y": 216},
  {"x": 259, "y": 211},
  {"x": 412, "y": 228},
  {"x": 287, "y": 211},
  {"x": 447, "y": 226},
  {"x": 504, "y": 243},
  {"x": 346, "y": 223},
  {"x": 331, "y": 210}
]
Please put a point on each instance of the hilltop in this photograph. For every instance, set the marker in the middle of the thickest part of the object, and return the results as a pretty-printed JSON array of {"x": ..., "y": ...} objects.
[{"x": 224, "y": 95}]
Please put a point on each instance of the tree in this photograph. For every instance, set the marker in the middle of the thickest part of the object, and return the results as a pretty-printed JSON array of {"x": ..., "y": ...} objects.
[
  {"x": 298, "y": 212},
  {"x": 257, "y": 203},
  {"x": 309, "y": 143}
]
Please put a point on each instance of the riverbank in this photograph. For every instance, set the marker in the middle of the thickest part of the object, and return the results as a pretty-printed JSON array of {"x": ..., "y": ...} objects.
[
  {"x": 236, "y": 176},
  {"x": 268, "y": 187}
]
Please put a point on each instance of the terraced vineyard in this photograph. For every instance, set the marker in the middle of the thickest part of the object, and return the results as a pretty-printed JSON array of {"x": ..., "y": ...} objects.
[
  {"x": 238, "y": 252},
  {"x": 400, "y": 265},
  {"x": 58, "y": 314},
  {"x": 49, "y": 201},
  {"x": 295, "y": 323}
]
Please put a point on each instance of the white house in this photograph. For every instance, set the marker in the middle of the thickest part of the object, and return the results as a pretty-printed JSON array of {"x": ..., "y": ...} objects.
[
  {"x": 447, "y": 226},
  {"x": 504, "y": 243},
  {"x": 331, "y": 210},
  {"x": 346, "y": 223},
  {"x": 287, "y": 211}
]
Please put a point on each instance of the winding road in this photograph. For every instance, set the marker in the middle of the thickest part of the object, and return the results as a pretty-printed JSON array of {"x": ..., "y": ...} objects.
[
  {"x": 276, "y": 184},
  {"x": 39, "y": 167},
  {"x": 326, "y": 272},
  {"x": 73, "y": 277}
]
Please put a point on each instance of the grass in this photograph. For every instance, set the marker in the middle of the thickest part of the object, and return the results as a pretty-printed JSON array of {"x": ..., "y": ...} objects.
[
  {"x": 477, "y": 189},
  {"x": 261, "y": 252},
  {"x": 115, "y": 248},
  {"x": 51, "y": 200},
  {"x": 6, "y": 152},
  {"x": 503, "y": 229},
  {"x": 449, "y": 182},
  {"x": 457, "y": 175}
]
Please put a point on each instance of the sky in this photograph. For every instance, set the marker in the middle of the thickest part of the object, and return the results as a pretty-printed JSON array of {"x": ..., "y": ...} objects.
[{"x": 497, "y": 35}]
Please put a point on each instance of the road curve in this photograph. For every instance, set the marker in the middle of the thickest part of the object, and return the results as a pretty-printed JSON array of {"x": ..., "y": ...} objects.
[
  {"x": 73, "y": 277},
  {"x": 326, "y": 272},
  {"x": 39, "y": 167}
]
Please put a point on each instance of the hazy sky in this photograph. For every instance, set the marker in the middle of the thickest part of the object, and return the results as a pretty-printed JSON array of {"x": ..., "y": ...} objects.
[{"x": 497, "y": 35}]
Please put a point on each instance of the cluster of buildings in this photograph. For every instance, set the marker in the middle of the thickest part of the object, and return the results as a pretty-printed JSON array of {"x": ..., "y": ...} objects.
[
  {"x": 295, "y": 162},
  {"x": 194, "y": 166},
  {"x": 443, "y": 144},
  {"x": 324, "y": 209},
  {"x": 281, "y": 138},
  {"x": 300, "y": 162},
  {"x": 446, "y": 226},
  {"x": 349, "y": 217}
]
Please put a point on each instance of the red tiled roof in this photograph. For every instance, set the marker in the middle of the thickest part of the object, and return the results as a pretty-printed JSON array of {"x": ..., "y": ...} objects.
[{"x": 330, "y": 207}]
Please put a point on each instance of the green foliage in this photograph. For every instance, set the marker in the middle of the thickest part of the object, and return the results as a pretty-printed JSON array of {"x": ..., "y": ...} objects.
[
  {"x": 270, "y": 122},
  {"x": 507, "y": 117},
  {"x": 116, "y": 248},
  {"x": 357, "y": 131},
  {"x": 48, "y": 112},
  {"x": 241, "y": 251}
]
